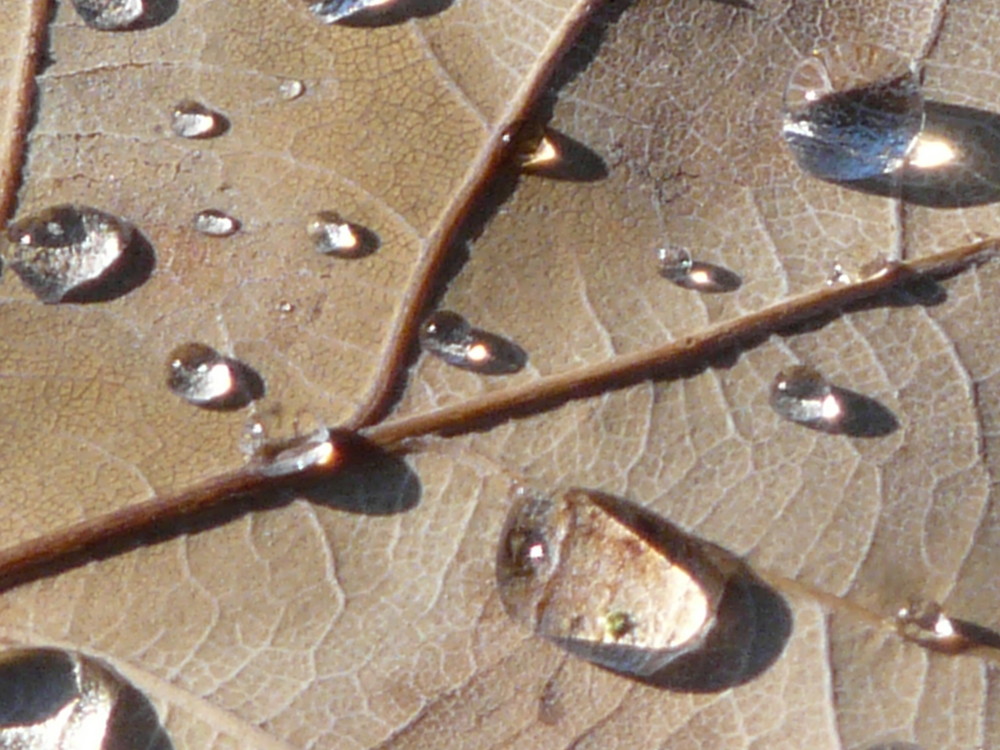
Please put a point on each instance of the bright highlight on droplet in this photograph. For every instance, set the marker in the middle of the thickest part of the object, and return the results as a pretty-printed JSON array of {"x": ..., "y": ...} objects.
[
  {"x": 450, "y": 337},
  {"x": 303, "y": 454},
  {"x": 331, "y": 234},
  {"x": 204, "y": 377},
  {"x": 545, "y": 154},
  {"x": 800, "y": 394},
  {"x": 932, "y": 152}
]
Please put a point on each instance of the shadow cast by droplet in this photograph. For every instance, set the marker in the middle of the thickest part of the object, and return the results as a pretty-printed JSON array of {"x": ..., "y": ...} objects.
[
  {"x": 971, "y": 179},
  {"x": 575, "y": 161},
  {"x": 132, "y": 269},
  {"x": 252, "y": 388},
  {"x": 753, "y": 624},
  {"x": 395, "y": 13},
  {"x": 706, "y": 277},
  {"x": 864, "y": 417}
]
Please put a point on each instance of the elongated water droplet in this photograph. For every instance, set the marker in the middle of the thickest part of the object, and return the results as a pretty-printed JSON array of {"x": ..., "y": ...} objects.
[
  {"x": 110, "y": 15},
  {"x": 852, "y": 112},
  {"x": 677, "y": 265},
  {"x": 449, "y": 336},
  {"x": 800, "y": 394},
  {"x": 215, "y": 223},
  {"x": 64, "y": 251},
  {"x": 926, "y": 623},
  {"x": 336, "y": 11},
  {"x": 193, "y": 119},
  {"x": 291, "y": 89},
  {"x": 607, "y": 580},
  {"x": 203, "y": 377},
  {"x": 314, "y": 451},
  {"x": 333, "y": 235}
]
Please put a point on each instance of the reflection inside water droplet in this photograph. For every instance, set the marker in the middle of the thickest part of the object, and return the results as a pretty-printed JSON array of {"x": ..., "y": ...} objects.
[
  {"x": 333, "y": 235},
  {"x": 852, "y": 112},
  {"x": 607, "y": 580},
  {"x": 450, "y": 337},
  {"x": 334, "y": 11},
  {"x": 291, "y": 89},
  {"x": 926, "y": 623},
  {"x": 677, "y": 265},
  {"x": 800, "y": 394},
  {"x": 203, "y": 377},
  {"x": 193, "y": 119},
  {"x": 110, "y": 15},
  {"x": 215, "y": 223},
  {"x": 64, "y": 250}
]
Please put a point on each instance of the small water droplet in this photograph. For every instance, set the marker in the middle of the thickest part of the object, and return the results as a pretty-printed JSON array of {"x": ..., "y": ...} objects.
[
  {"x": 677, "y": 266},
  {"x": 215, "y": 223},
  {"x": 193, "y": 119},
  {"x": 925, "y": 622},
  {"x": 62, "y": 252},
  {"x": 800, "y": 394},
  {"x": 539, "y": 153},
  {"x": 449, "y": 336},
  {"x": 335, "y": 11},
  {"x": 333, "y": 235},
  {"x": 203, "y": 377},
  {"x": 291, "y": 89},
  {"x": 607, "y": 580},
  {"x": 852, "y": 112},
  {"x": 110, "y": 15},
  {"x": 315, "y": 450}
]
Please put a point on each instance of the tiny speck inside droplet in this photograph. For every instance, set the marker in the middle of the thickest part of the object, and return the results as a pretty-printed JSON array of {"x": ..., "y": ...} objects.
[
  {"x": 607, "y": 580},
  {"x": 203, "y": 377},
  {"x": 110, "y": 15},
  {"x": 448, "y": 336},
  {"x": 335, "y": 11},
  {"x": 192, "y": 119},
  {"x": 801, "y": 394},
  {"x": 333, "y": 235},
  {"x": 64, "y": 249},
  {"x": 852, "y": 112},
  {"x": 215, "y": 223}
]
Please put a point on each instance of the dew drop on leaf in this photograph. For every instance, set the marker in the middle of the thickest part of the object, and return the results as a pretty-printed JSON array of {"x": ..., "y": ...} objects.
[
  {"x": 677, "y": 265},
  {"x": 450, "y": 337},
  {"x": 335, "y": 11},
  {"x": 191, "y": 119},
  {"x": 801, "y": 394},
  {"x": 204, "y": 377},
  {"x": 215, "y": 223},
  {"x": 607, "y": 580},
  {"x": 315, "y": 450},
  {"x": 331, "y": 234},
  {"x": 852, "y": 111},
  {"x": 926, "y": 623},
  {"x": 291, "y": 89},
  {"x": 110, "y": 15},
  {"x": 63, "y": 249}
]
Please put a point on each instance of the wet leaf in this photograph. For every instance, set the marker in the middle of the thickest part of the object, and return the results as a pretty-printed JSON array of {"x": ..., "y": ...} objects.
[{"x": 361, "y": 612}]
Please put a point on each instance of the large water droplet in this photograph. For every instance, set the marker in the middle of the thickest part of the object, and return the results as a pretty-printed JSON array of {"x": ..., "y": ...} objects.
[
  {"x": 201, "y": 376},
  {"x": 852, "y": 112},
  {"x": 71, "y": 253},
  {"x": 449, "y": 336},
  {"x": 607, "y": 580},
  {"x": 335, "y": 11},
  {"x": 110, "y": 15},
  {"x": 677, "y": 265},
  {"x": 215, "y": 223},
  {"x": 800, "y": 394},
  {"x": 193, "y": 119},
  {"x": 333, "y": 235}
]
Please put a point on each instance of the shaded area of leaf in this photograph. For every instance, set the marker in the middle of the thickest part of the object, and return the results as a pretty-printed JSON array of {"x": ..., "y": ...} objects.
[{"x": 972, "y": 179}]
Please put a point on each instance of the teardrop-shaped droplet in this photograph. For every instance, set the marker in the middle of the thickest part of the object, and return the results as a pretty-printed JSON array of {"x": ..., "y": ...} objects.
[
  {"x": 291, "y": 89},
  {"x": 449, "y": 336},
  {"x": 607, "y": 579},
  {"x": 110, "y": 15},
  {"x": 215, "y": 223},
  {"x": 926, "y": 623},
  {"x": 62, "y": 251},
  {"x": 335, "y": 11},
  {"x": 203, "y": 377},
  {"x": 333, "y": 235},
  {"x": 193, "y": 119},
  {"x": 677, "y": 265},
  {"x": 852, "y": 112},
  {"x": 800, "y": 394}
]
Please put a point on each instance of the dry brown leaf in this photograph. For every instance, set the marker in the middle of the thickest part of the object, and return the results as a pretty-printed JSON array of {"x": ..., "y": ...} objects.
[{"x": 310, "y": 627}]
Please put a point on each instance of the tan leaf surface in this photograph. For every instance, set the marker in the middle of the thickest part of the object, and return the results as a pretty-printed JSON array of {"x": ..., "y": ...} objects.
[{"x": 311, "y": 627}]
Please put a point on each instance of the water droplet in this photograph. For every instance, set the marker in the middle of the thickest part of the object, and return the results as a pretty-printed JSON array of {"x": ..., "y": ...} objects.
[
  {"x": 677, "y": 265},
  {"x": 925, "y": 622},
  {"x": 334, "y": 11},
  {"x": 110, "y": 15},
  {"x": 286, "y": 308},
  {"x": 540, "y": 153},
  {"x": 852, "y": 112},
  {"x": 203, "y": 377},
  {"x": 607, "y": 580},
  {"x": 449, "y": 336},
  {"x": 215, "y": 223},
  {"x": 63, "y": 253},
  {"x": 192, "y": 119},
  {"x": 838, "y": 276},
  {"x": 333, "y": 235},
  {"x": 315, "y": 450},
  {"x": 800, "y": 394},
  {"x": 291, "y": 89}
]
